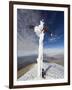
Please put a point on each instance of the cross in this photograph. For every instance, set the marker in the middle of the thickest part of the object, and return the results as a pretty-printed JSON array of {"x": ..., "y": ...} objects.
[{"x": 40, "y": 31}]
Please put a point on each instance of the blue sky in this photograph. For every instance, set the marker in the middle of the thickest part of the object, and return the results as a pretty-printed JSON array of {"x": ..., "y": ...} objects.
[
  {"x": 54, "y": 20},
  {"x": 27, "y": 41}
]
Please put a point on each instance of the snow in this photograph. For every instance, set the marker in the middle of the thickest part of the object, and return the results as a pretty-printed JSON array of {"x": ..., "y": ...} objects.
[{"x": 53, "y": 71}]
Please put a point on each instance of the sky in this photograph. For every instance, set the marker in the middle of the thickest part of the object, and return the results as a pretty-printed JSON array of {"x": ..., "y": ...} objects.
[
  {"x": 54, "y": 20},
  {"x": 27, "y": 41}
]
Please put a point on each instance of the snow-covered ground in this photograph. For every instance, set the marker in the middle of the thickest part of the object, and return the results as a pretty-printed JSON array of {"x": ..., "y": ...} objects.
[{"x": 53, "y": 71}]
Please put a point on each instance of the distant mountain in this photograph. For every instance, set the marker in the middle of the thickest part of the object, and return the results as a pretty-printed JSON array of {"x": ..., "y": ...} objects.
[{"x": 26, "y": 60}]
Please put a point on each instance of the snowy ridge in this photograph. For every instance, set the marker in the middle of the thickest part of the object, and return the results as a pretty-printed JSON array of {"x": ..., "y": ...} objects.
[{"x": 53, "y": 71}]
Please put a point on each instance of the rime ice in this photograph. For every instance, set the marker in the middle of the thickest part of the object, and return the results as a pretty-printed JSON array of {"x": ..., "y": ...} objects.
[{"x": 40, "y": 33}]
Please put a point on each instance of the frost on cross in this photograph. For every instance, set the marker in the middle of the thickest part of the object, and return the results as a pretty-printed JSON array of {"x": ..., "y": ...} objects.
[{"x": 39, "y": 30}]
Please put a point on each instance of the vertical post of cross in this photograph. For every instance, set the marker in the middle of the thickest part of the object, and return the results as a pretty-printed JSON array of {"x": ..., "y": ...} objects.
[{"x": 40, "y": 33}]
